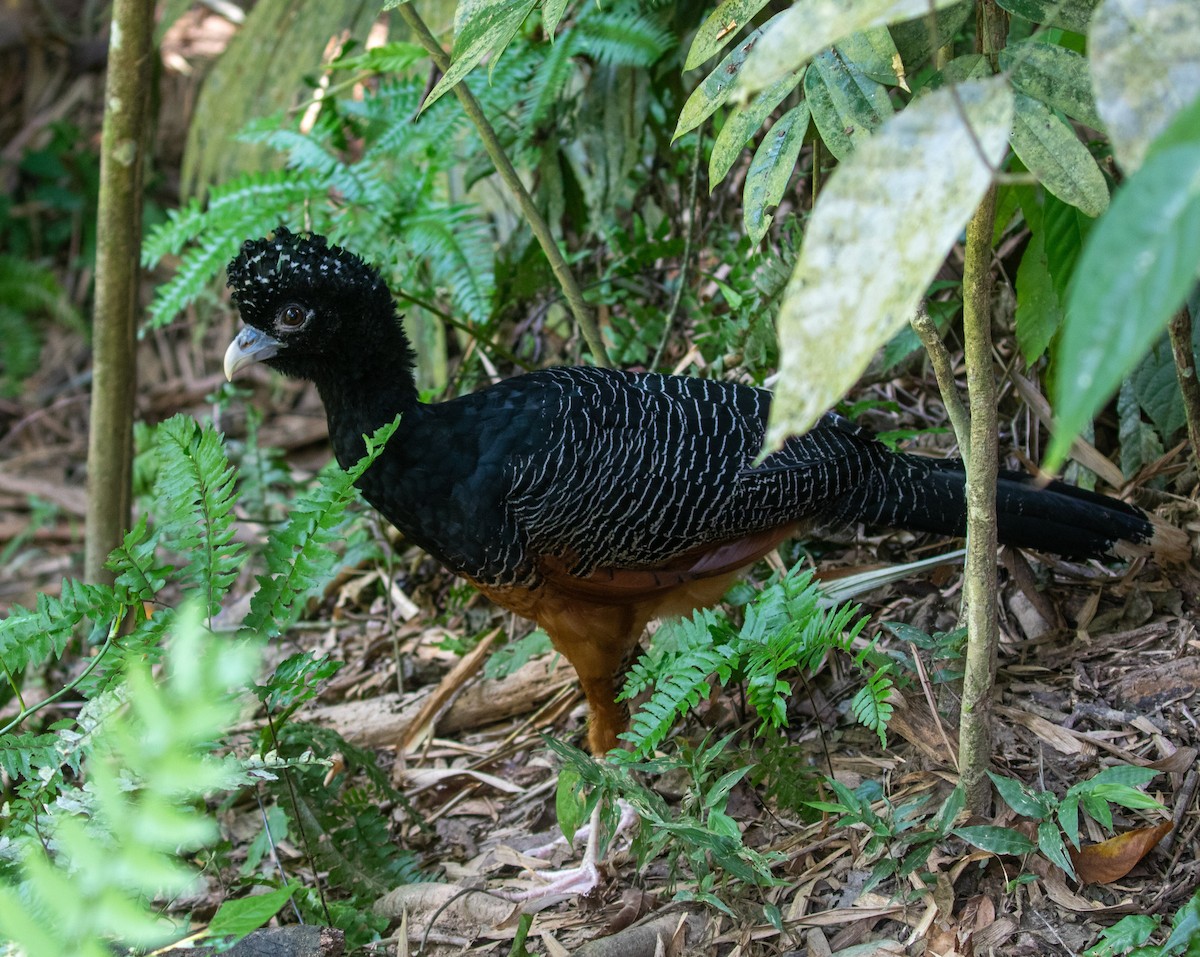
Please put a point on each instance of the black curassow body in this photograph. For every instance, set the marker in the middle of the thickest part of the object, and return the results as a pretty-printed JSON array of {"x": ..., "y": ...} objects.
[{"x": 593, "y": 501}]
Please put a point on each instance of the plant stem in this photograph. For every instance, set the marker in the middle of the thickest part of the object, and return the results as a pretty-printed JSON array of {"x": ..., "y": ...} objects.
[
  {"x": 980, "y": 575},
  {"x": 118, "y": 247},
  {"x": 541, "y": 229},
  {"x": 943, "y": 371},
  {"x": 1185, "y": 371},
  {"x": 975, "y": 732}
]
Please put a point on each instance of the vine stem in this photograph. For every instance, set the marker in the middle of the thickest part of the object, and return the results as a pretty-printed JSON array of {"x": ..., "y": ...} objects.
[
  {"x": 74, "y": 682},
  {"x": 1185, "y": 370},
  {"x": 532, "y": 215}
]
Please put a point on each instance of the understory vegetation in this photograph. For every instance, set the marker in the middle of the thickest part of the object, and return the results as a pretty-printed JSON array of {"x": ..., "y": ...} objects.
[{"x": 679, "y": 155}]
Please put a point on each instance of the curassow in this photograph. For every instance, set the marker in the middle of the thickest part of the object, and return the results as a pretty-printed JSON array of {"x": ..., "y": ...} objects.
[{"x": 594, "y": 501}]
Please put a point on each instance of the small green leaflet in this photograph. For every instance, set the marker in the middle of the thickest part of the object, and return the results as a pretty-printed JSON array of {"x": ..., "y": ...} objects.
[{"x": 237, "y": 918}]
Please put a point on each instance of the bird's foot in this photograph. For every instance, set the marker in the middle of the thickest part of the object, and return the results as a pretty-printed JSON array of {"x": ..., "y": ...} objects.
[{"x": 577, "y": 881}]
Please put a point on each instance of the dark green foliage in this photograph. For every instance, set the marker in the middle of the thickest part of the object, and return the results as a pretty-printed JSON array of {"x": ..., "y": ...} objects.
[
  {"x": 700, "y": 834},
  {"x": 29, "y": 293},
  {"x": 900, "y": 837},
  {"x": 784, "y": 628},
  {"x": 148, "y": 748}
]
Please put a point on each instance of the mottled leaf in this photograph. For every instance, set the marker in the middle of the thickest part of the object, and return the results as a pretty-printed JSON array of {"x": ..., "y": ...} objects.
[
  {"x": 809, "y": 26},
  {"x": 874, "y": 53},
  {"x": 878, "y": 233},
  {"x": 1069, "y": 14},
  {"x": 721, "y": 26},
  {"x": 480, "y": 27},
  {"x": 771, "y": 169},
  {"x": 846, "y": 105},
  {"x": 1055, "y": 75},
  {"x": 1051, "y": 151},
  {"x": 743, "y": 123},
  {"x": 1145, "y": 62},
  {"x": 716, "y": 87},
  {"x": 995, "y": 840}
]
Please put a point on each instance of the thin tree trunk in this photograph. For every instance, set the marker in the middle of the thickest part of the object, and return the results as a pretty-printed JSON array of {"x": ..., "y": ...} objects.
[
  {"x": 114, "y": 377},
  {"x": 975, "y": 725},
  {"x": 980, "y": 586}
]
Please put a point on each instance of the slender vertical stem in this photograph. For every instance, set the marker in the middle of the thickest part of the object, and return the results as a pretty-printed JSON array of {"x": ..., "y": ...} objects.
[
  {"x": 541, "y": 230},
  {"x": 943, "y": 370},
  {"x": 975, "y": 733},
  {"x": 118, "y": 248},
  {"x": 1185, "y": 371}
]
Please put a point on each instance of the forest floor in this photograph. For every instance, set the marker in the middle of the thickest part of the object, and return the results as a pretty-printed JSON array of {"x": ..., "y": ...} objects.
[{"x": 1099, "y": 666}]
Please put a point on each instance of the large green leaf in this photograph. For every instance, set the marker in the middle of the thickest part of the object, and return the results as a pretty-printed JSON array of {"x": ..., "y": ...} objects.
[
  {"x": 772, "y": 168},
  {"x": 1051, "y": 151},
  {"x": 1055, "y": 75},
  {"x": 1068, "y": 14},
  {"x": 874, "y": 52},
  {"x": 721, "y": 26},
  {"x": 995, "y": 840},
  {"x": 716, "y": 87},
  {"x": 1145, "y": 62},
  {"x": 743, "y": 123},
  {"x": 1136, "y": 268},
  {"x": 879, "y": 231},
  {"x": 480, "y": 27},
  {"x": 846, "y": 104},
  {"x": 809, "y": 26},
  {"x": 1039, "y": 310}
]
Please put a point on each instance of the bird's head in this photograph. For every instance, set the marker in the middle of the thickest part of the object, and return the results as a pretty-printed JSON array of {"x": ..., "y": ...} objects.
[{"x": 311, "y": 310}]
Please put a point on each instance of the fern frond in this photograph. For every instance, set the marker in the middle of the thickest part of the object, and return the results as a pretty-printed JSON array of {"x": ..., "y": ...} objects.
[
  {"x": 35, "y": 636},
  {"x": 682, "y": 677},
  {"x": 195, "y": 477},
  {"x": 299, "y": 555},
  {"x": 624, "y": 38},
  {"x": 140, "y": 575},
  {"x": 22, "y": 754},
  {"x": 457, "y": 249},
  {"x": 871, "y": 706}
]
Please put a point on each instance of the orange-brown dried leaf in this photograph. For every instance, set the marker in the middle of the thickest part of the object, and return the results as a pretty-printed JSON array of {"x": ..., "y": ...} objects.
[{"x": 1111, "y": 860}]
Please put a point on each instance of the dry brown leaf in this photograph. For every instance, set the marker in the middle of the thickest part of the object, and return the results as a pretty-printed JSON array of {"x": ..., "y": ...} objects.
[
  {"x": 1111, "y": 860},
  {"x": 950, "y": 940},
  {"x": 1180, "y": 762},
  {"x": 416, "y": 778},
  {"x": 1059, "y": 738},
  {"x": 447, "y": 690}
]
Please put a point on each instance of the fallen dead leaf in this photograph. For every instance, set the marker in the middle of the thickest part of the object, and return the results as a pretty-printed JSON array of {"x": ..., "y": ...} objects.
[{"x": 1111, "y": 860}]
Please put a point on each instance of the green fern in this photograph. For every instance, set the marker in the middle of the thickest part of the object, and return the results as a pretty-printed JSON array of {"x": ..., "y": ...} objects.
[
  {"x": 622, "y": 35},
  {"x": 870, "y": 704},
  {"x": 248, "y": 206},
  {"x": 34, "y": 636},
  {"x": 784, "y": 628},
  {"x": 299, "y": 554},
  {"x": 111, "y": 850},
  {"x": 195, "y": 475}
]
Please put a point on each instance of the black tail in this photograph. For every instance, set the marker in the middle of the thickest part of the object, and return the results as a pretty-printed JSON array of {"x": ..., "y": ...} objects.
[{"x": 929, "y": 495}]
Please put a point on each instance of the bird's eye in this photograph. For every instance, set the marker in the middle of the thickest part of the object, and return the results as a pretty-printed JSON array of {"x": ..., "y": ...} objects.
[{"x": 292, "y": 317}]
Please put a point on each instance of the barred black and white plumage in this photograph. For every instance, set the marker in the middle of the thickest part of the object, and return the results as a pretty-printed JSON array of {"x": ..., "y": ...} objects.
[{"x": 581, "y": 497}]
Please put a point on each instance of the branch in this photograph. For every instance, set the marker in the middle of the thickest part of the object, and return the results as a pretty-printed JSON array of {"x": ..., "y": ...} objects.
[{"x": 529, "y": 210}]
